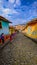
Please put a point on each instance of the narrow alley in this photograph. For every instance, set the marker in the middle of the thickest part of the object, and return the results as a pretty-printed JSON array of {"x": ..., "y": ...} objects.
[{"x": 21, "y": 51}]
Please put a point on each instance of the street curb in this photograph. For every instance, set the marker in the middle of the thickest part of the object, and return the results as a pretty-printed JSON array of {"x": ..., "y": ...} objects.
[
  {"x": 34, "y": 40},
  {"x": 1, "y": 47}
]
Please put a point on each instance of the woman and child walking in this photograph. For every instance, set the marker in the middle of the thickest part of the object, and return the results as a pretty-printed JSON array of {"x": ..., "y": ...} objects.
[{"x": 2, "y": 37}]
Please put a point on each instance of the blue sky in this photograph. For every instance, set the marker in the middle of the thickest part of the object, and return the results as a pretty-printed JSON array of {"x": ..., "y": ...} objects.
[{"x": 18, "y": 11}]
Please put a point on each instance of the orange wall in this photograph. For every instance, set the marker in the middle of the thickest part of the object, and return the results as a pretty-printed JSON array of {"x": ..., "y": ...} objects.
[{"x": 31, "y": 30}]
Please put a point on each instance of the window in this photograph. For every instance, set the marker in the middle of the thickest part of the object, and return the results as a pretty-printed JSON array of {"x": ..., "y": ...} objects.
[
  {"x": 34, "y": 32},
  {"x": 29, "y": 30},
  {"x": 0, "y": 25}
]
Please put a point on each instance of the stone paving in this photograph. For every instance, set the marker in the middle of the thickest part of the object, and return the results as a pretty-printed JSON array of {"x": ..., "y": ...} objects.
[{"x": 21, "y": 51}]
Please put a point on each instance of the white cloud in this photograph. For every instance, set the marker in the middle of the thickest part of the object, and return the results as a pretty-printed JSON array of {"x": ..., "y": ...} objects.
[
  {"x": 12, "y": 1},
  {"x": 31, "y": 12},
  {"x": 14, "y": 11},
  {"x": 27, "y": 12},
  {"x": 18, "y": 2},
  {"x": 6, "y": 11},
  {"x": 9, "y": 11},
  {"x": 19, "y": 21},
  {"x": 15, "y": 2},
  {"x": 0, "y": 1},
  {"x": 33, "y": 9},
  {"x": 34, "y": 4}
]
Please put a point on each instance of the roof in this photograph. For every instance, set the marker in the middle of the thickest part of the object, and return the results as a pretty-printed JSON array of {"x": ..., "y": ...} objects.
[
  {"x": 11, "y": 27},
  {"x": 4, "y": 19},
  {"x": 33, "y": 21}
]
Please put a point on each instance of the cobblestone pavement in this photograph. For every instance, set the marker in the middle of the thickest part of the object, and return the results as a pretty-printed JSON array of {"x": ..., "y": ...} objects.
[{"x": 22, "y": 51}]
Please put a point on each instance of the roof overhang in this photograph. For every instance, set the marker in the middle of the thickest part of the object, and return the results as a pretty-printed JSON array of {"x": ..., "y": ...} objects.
[
  {"x": 4, "y": 19},
  {"x": 33, "y": 21}
]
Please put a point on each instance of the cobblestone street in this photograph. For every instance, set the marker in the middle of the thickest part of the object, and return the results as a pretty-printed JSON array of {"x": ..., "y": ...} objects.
[{"x": 21, "y": 51}]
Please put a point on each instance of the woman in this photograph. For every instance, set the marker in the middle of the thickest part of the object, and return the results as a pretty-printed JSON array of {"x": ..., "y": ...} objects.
[{"x": 2, "y": 37}]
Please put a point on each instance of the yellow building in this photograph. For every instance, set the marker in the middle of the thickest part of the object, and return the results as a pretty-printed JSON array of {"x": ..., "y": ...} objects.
[
  {"x": 31, "y": 29},
  {"x": 11, "y": 29}
]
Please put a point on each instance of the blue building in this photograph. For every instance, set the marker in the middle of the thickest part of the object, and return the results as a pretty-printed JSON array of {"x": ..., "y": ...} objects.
[{"x": 4, "y": 26}]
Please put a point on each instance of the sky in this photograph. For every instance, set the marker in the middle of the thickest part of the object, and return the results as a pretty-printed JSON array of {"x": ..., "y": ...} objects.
[{"x": 18, "y": 11}]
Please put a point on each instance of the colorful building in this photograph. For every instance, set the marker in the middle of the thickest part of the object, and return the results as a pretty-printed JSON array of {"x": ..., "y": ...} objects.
[
  {"x": 31, "y": 28},
  {"x": 4, "y": 26},
  {"x": 20, "y": 27},
  {"x": 11, "y": 29}
]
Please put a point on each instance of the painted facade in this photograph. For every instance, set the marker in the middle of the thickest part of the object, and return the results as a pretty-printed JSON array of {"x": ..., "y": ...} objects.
[
  {"x": 5, "y": 27},
  {"x": 20, "y": 27},
  {"x": 31, "y": 29},
  {"x": 11, "y": 29}
]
